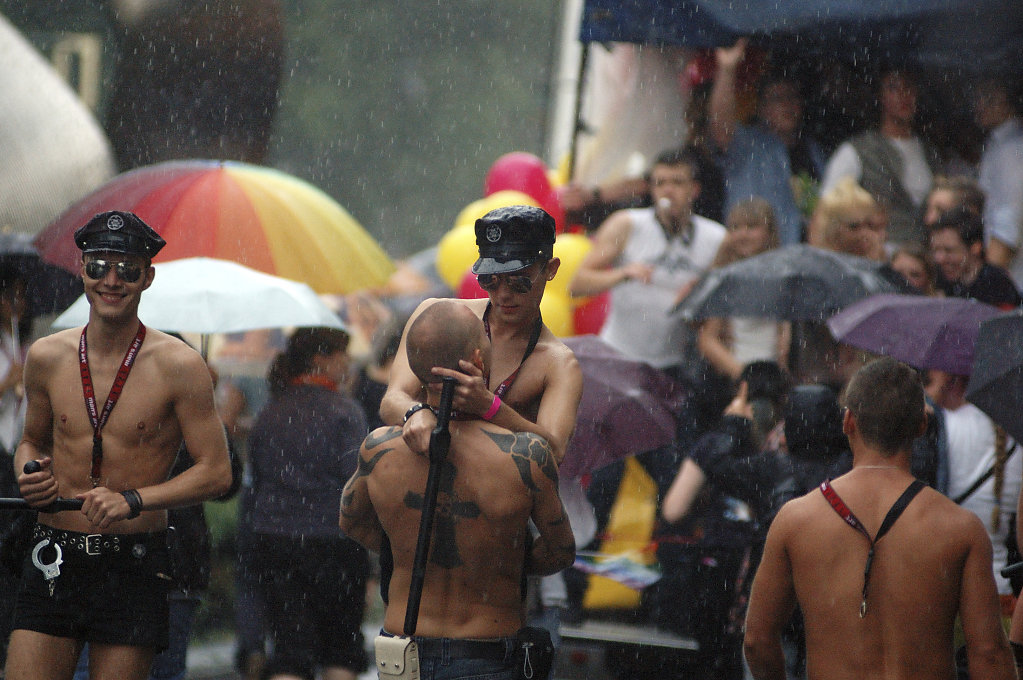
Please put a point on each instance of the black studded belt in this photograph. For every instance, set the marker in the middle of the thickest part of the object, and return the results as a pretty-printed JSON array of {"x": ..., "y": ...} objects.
[{"x": 101, "y": 544}]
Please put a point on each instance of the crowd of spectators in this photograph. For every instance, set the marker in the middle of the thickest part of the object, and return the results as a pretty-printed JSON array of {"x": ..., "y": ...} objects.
[{"x": 949, "y": 222}]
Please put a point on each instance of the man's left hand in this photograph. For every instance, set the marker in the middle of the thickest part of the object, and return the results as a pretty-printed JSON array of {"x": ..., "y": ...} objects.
[{"x": 102, "y": 507}]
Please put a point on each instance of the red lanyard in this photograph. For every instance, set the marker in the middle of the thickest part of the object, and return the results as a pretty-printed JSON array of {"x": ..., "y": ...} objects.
[
  {"x": 893, "y": 514},
  {"x": 533, "y": 339},
  {"x": 98, "y": 420}
]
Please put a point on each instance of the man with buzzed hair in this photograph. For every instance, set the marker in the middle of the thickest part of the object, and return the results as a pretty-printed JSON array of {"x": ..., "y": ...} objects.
[
  {"x": 879, "y": 564},
  {"x": 492, "y": 483}
]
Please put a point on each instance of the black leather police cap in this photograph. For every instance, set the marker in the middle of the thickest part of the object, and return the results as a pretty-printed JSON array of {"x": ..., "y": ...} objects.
[
  {"x": 513, "y": 238},
  {"x": 118, "y": 231}
]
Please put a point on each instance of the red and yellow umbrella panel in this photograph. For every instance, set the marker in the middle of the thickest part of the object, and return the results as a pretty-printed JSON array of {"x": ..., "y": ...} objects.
[{"x": 260, "y": 217}]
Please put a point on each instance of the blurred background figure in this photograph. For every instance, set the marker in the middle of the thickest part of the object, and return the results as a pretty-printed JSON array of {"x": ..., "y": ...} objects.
[
  {"x": 729, "y": 344},
  {"x": 890, "y": 161},
  {"x": 957, "y": 247},
  {"x": 303, "y": 447},
  {"x": 849, "y": 220},
  {"x": 950, "y": 192},
  {"x": 772, "y": 158},
  {"x": 14, "y": 330},
  {"x": 914, "y": 263},
  {"x": 370, "y": 380},
  {"x": 996, "y": 111}
]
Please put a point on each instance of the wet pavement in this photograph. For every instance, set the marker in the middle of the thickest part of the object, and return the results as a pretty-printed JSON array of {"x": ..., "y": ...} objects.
[{"x": 215, "y": 660}]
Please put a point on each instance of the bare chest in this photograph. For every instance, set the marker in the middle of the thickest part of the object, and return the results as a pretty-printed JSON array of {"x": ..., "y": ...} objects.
[
  {"x": 519, "y": 383},
  {"x": 142, "y": 412}
]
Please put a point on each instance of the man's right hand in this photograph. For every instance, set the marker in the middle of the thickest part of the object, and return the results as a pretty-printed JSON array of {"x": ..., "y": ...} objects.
[
  {"x": 39, "y": 489},
  {"x": 417, "y": 429}
]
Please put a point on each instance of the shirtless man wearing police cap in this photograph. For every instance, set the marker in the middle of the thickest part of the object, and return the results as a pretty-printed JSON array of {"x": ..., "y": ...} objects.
[
  {"x": 534, "y": 382},
  {"x": 98, "y": 575}
]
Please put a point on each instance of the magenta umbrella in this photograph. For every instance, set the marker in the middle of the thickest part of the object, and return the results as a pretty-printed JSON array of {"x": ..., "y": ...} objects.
[
  {"x": 627, "y": 407},
  {"x": 924, "y": 332}
]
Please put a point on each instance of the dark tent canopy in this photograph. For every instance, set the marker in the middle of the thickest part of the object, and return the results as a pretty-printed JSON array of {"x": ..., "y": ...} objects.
[{"x": 968, "y": 36}]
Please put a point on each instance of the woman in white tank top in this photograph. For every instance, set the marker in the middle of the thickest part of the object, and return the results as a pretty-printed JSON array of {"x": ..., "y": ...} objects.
[{"x": 728, "y": 344}]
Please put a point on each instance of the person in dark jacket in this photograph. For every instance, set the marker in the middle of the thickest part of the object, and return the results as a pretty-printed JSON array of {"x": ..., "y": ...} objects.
[{"x": 302, "y": 449}]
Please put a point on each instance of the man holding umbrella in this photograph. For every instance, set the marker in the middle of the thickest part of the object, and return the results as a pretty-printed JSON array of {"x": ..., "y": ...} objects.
[{"x": 97, "y": 575}]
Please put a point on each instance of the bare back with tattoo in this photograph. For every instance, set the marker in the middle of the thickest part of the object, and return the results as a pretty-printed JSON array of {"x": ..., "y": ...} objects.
[{"x": 492, "y": 483}]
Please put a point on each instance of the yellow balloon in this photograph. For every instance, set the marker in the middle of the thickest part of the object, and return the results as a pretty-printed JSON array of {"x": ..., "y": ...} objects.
[
  {"x": 570, "y": 249},
  {"x": 558, "y": 175},
  {"x": 498, "y": 199},
  {"x": 557, "y": 313},
  {"x": 455, "y": 254},
  {"x": 506, "y": 197},
  {"x": 471, "y": 213}
]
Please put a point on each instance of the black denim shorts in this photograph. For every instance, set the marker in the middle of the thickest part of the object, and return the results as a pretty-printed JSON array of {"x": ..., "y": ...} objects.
[{"x": 113, "y": 597}]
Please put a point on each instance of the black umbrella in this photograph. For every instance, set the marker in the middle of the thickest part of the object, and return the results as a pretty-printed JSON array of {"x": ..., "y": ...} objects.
[
  {"x": 794, "y": 283},
  {"x": 49, "y": 288},
  {"x": 996, "y": 383}
]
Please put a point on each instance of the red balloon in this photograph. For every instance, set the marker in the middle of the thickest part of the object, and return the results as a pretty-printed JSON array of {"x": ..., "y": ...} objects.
[
  {"x": 589, "y": 317},
  {"x": 525, "y": 172},
  {"x": 519, "y": 171},
  {"x": 469, "y": 288}
]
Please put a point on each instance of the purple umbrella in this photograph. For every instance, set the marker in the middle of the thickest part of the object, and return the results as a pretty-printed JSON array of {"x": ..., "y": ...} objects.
[
  {"x": 924, "y": 332},
  {"x": 627, "y": 407}
]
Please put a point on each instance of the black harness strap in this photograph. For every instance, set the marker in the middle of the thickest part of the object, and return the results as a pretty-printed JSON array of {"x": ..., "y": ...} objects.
[{"x": 893, "y": 514}]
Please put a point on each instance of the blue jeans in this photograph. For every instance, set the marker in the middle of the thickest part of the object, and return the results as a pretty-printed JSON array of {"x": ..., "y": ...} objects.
[{"x": 443, "y": 666}]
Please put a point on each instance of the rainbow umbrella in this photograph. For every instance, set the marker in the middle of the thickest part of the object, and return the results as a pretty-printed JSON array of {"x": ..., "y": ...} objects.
[{"x": 259, "y": 217}]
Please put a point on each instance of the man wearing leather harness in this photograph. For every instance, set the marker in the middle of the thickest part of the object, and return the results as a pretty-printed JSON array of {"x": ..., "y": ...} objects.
[
  {"x": 879, "y": 566},
  {"x": 99, "y": 575}
]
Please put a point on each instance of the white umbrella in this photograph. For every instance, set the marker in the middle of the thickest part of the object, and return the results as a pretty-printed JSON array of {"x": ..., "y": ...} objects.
[{"x": 205, "y": 295}]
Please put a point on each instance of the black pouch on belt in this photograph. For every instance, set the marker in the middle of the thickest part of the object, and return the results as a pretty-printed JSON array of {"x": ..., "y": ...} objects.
[{"x": 535, "y": 654}]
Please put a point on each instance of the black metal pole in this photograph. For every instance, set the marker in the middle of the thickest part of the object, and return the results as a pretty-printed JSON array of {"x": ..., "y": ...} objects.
[
  {"x": 59, "y": 505},
  {"x": 440, "y": 441},
  {"x": 577, "y": 124}
]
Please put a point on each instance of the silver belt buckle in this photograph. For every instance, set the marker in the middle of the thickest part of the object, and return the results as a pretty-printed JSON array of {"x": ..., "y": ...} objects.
[{"x": 93, "y": 543}]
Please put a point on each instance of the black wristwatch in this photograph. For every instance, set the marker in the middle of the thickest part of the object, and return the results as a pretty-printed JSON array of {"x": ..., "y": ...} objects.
[{"x": 416, "y": 408}]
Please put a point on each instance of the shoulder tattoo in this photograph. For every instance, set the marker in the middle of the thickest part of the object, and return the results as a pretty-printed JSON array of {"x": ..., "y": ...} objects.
[
  {"x": 365, "y": 467},
  {"x": 450, "y": 510},
  {"x": 525, "y": 447},
  {"x": 378, "y": 437}
]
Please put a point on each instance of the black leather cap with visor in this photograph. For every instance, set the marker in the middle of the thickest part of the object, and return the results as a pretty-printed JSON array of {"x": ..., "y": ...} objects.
[
  {"x": 118, "y": 231},
  {"x": 512, "y": 238}
]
